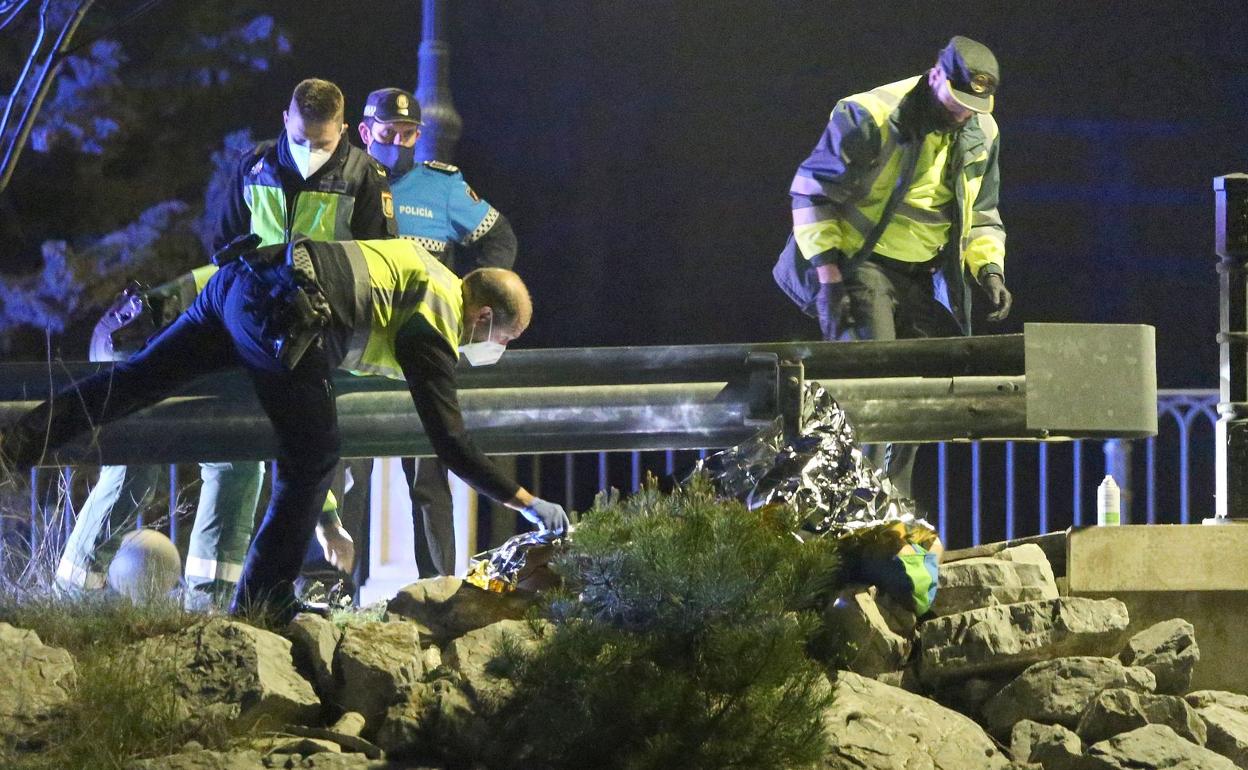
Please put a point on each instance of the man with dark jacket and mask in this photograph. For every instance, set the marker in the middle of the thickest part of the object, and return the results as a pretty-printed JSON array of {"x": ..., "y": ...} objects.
[
  {"x": 383, "y": 307},
  {"x": 894, "y": 265},
  {"x": 308, "y": 182}
]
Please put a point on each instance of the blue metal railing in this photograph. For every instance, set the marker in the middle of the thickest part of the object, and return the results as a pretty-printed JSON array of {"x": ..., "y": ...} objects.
[
  {"x": 978, "y": 491},
  {"x": 985, "y": 491}
]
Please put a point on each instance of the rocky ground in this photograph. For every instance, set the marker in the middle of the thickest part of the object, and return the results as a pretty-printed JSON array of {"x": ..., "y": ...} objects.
[{"x": 1005, "y": 674}]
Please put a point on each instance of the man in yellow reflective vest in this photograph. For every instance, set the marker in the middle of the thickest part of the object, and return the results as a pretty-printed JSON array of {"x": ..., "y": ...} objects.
[
  {"x": 388, "y": 308},
  {"x": 308, "y": 182},
  {"x": 897, "y": 205}
]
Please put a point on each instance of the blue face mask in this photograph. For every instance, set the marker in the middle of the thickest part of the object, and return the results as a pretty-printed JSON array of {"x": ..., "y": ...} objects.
[{"x": 397, "y": 159}]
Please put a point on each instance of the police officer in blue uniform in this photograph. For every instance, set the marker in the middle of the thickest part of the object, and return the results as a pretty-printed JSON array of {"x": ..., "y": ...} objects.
[
  {"x": 437, "y": 208},
  {"x": 433, "y": 203}
]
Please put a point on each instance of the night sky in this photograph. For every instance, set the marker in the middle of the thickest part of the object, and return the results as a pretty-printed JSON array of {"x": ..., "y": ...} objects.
[{"x": 643, "y": 150}]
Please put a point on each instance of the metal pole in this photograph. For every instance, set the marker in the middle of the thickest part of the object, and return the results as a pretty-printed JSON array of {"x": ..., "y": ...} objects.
[
  {"x": 1231, "y": 431},
  {"x": 443, "y": 124}
]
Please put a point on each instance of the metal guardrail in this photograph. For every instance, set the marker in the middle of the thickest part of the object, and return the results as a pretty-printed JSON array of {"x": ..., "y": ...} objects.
[{"x": 1042, "y": 385}]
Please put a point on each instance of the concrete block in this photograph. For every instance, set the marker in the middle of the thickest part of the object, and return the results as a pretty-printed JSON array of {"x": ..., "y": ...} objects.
[
  {"x": 1187, "y": 557},
  {"x": 1194, "y": 572}
]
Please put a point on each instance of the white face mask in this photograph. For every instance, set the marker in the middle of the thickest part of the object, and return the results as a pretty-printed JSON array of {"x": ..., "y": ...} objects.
[
  {"x": 485, "y": 352},
  {"x": 307, "y": 160}
]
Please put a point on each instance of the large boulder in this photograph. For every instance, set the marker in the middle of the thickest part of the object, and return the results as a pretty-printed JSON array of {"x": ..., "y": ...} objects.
[
  {"x": 373, "y": 665},
  {"x": 1227, "y": 731},
  {"x": 1119, "y": 710},
  {"x": 313, "y": 642},
  {"x": 1010, "y": 637},
  {"x": 1169, "y": 650},
  {"x": 448, "y": 607},
  {"x": 232, "y": 671},
  {"x": 1058, "y": 691},
  {"x": 1231, "y": 700},
  {"x": 970, "y": 584},
  {"x": 874, "y": 726},
  {"x": 859, "y": 635},
  {"x": 35, "y": 681},
  {"x": 1053, "y": 747},
  {"x": 434, "y": 719},
  {"x": 470, "y": 656},
  {"x": 1155, "y": 746}
]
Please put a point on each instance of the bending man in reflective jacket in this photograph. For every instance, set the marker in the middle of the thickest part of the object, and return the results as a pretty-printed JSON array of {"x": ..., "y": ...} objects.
[
  {"x": 394, "y": 310},
  {"x": 308, "y": 182},
  {"x": 932, "y": 138},
  {"x": 435, "y": 207}
]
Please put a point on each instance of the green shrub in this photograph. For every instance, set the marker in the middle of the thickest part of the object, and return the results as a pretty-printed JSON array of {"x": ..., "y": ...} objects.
[{"x": 680, "y": 642}]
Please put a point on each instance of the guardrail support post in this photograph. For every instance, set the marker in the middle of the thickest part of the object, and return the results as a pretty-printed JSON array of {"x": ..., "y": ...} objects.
[
  {"x": 1231, "y": 432},
  {"x": 790, "y": 393}
]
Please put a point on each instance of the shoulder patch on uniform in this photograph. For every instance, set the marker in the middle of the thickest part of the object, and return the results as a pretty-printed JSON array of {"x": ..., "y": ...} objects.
[
  {"x": 445, "y": 168},
  {"x": 472, "y": 194},
  {"x": 387, "y": 204}
]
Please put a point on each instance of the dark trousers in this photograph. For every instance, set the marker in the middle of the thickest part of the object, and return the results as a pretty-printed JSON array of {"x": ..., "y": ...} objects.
[
  {"x": 892, "y": 300},
  {"x": 433, "y": 515},
  {"x": 220, "y": 330}
]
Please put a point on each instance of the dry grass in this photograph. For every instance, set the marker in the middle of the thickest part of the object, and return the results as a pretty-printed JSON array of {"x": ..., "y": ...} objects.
[{"x": 120, "y": 709}]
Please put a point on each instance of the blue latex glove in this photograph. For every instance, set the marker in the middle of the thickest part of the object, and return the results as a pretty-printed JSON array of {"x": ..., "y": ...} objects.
[{"x": 547, "y": 516}]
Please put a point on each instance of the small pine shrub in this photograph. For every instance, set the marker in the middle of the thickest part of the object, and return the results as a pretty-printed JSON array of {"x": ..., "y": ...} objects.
[{"x": 680, "y": 642}]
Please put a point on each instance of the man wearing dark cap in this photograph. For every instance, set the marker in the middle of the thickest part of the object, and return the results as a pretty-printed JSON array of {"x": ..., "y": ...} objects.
[
  {"x": 895, "y": 213},
  {"x": 437, "y": 208},
  {"x": 433, "y": 204}
]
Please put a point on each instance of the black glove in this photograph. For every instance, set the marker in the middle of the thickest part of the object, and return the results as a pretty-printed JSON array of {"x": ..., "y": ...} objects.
[
  {"x": 830, "y": 306},
  {"x": 998, "y": 295}
]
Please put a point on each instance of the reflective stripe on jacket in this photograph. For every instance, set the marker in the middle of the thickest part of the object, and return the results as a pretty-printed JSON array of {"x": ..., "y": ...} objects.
[
  {"x": 323, "y": 205},
  {"x": 840, "y": 191}
]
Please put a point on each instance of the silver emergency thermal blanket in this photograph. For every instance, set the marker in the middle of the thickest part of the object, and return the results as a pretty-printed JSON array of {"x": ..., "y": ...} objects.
[
  {"x": 822, "y": 472},
  {"x": 824, "y": 475}
]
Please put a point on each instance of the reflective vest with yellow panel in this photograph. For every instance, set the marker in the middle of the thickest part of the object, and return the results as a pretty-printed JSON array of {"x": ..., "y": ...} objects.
[
  {"x": 404, "y": 281},
  {"x": 322, "y": 211},
  {"x": 840, "y": 192},
  {"x": 323, "y": 204}
]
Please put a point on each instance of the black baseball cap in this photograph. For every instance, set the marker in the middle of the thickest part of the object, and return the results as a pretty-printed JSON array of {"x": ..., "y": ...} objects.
[
  {"x": 972, "y": 72},
  {"x": 392, "y": 105}
]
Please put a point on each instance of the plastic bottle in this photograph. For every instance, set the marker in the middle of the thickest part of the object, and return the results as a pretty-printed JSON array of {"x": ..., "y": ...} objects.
[{"x": 1108, "y": 504}]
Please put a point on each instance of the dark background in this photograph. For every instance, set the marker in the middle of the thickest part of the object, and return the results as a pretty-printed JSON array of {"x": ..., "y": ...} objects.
[{"x": 643, "y": 150}]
